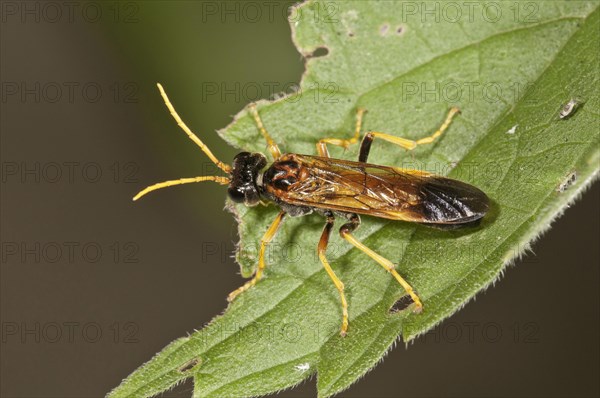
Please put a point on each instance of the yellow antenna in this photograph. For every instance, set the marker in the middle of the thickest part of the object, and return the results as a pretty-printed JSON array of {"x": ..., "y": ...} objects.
[
  {"x": 225, "y": 167},
  {"x": 220, "y": 180}
]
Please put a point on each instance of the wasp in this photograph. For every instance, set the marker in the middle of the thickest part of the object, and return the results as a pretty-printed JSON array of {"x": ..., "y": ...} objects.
[{"x": 302, "y": 184}]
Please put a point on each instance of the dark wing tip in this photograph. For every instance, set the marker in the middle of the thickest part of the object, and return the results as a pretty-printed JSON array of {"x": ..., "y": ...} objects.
[{"x": 447, "y": 201}]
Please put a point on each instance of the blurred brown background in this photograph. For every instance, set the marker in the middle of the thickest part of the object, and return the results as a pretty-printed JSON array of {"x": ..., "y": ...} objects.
[{"x": 93, "y": 285}]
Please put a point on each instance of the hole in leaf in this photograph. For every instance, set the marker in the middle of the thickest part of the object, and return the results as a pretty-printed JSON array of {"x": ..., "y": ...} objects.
[
  {"x": 569, "y": 180},
  {"x": 384, "y": 29},
  {"x": 319, "y": 52},
  {"x": 189, "y": 365},
  {"x": 401, "y": 304},
  {"x": 569, "y": 108}
]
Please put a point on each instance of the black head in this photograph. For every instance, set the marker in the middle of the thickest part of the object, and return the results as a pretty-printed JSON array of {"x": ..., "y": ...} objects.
[{"x": 242, "y": 187}]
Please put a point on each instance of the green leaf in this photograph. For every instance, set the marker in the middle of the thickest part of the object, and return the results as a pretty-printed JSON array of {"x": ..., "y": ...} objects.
[{"x": 510, "y": 67}]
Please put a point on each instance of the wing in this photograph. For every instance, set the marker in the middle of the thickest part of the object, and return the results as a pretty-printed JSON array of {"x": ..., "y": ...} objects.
[{"x": 381, "y": 191}]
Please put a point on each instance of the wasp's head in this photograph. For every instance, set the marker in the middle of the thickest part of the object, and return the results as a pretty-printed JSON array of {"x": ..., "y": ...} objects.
[{"x": 242, "y": 187}]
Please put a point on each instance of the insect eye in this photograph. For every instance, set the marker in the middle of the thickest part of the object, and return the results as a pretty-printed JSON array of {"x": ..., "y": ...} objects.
[{"x": 236, "y": 194}]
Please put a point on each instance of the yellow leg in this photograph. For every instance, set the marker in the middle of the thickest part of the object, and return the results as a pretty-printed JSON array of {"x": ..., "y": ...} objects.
[
  {"x": 321, "y": 249},
  {"x": 403, "y": 142},
  {"x": 345, "y": 143},
  {"x": 261, "y": 257},
  {"x": 384, "y": 262},
  {"x": 273, "y": 148}
]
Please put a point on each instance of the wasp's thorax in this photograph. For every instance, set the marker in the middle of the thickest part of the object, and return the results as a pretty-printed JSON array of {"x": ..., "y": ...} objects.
[{"x": 243, "y": 186}]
